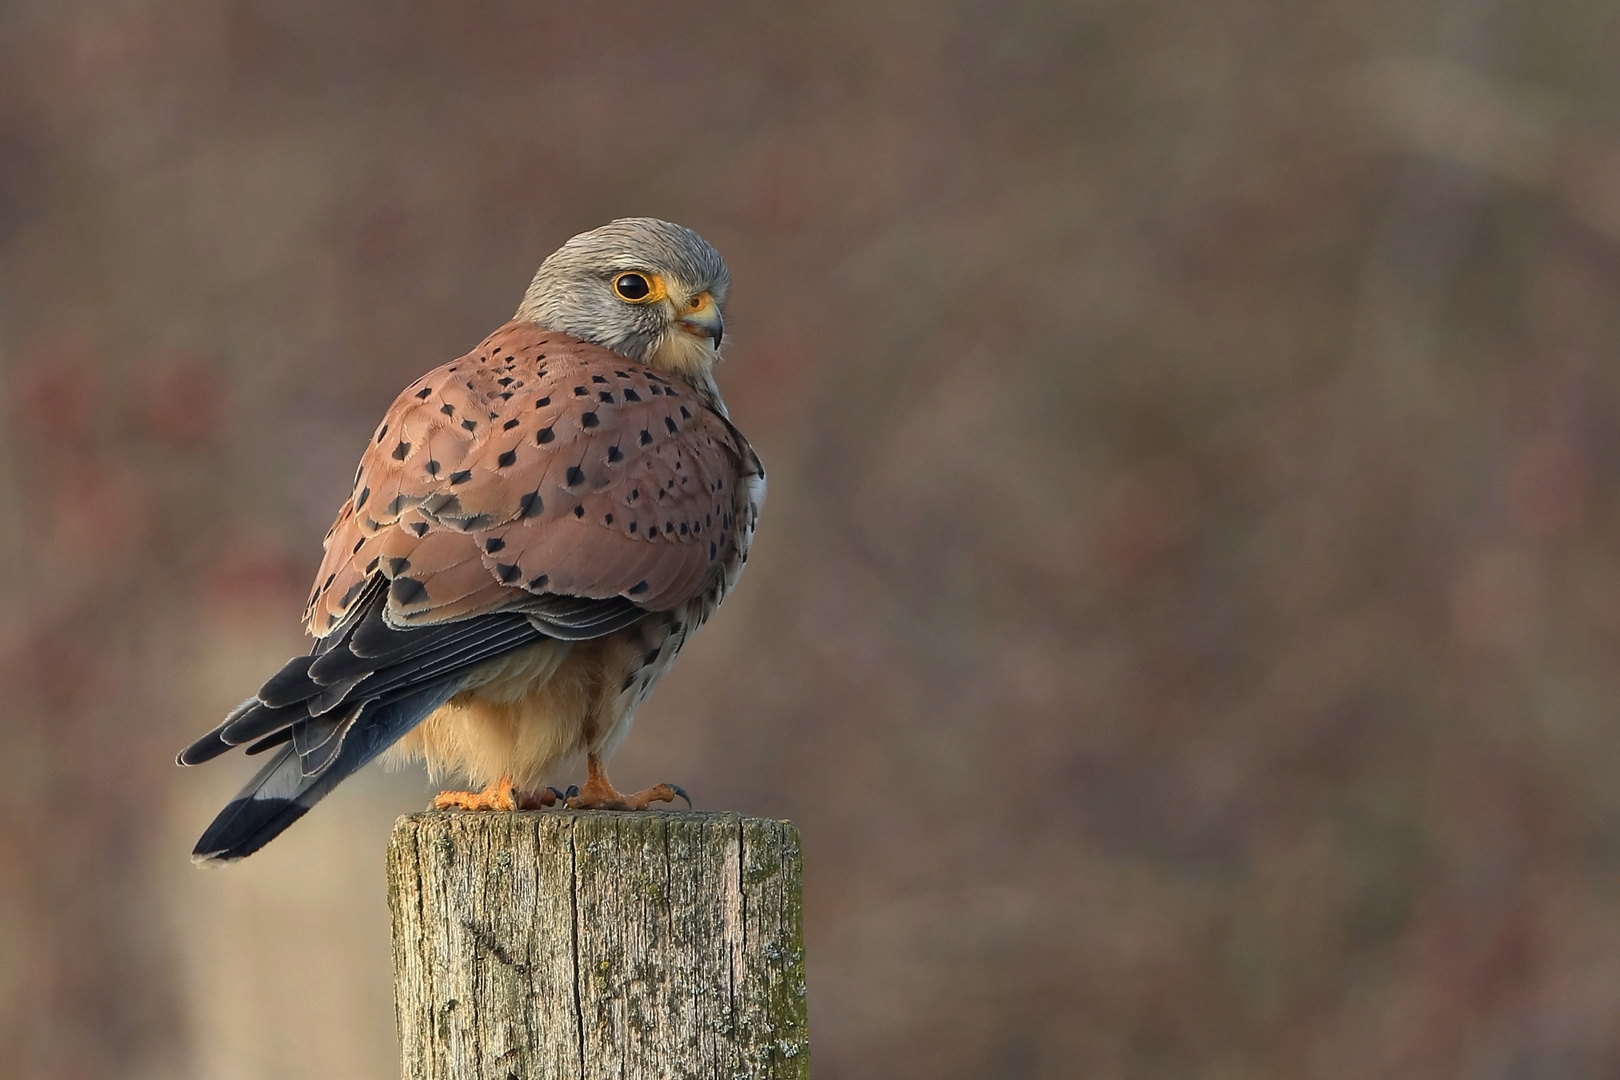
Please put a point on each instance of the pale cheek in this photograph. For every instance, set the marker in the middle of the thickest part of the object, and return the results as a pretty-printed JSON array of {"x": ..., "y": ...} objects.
[{"x": 682, "y": 353}]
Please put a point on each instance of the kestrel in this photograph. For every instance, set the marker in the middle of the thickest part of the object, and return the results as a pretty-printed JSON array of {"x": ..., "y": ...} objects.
[{"x": 535, "y": 530}]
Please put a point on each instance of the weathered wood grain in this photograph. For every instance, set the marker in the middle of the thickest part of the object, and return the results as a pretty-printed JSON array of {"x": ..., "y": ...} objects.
[{"x": 587, "y": 945}]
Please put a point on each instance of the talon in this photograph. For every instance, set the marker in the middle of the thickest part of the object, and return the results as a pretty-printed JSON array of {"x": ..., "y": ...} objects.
[
  {"x": 573, "y": 789},
  {"x": 677, "y": 789}
]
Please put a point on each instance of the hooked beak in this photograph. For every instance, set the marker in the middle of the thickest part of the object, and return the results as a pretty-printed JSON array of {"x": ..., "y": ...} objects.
[{"x": 702, "y": 318}]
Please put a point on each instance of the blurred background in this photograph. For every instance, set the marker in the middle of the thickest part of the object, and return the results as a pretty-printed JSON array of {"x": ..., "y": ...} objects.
[{"x": 1185, "y": 620}]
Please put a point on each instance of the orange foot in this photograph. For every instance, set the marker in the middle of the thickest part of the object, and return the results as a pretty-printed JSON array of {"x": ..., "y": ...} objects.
[
  {"x": 498, "y": 796},
  {"x": 599, "y": 793}
]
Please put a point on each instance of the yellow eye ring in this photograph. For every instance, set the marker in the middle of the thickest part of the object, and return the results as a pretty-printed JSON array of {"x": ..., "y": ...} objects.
[{"x": 636, "y": 287}]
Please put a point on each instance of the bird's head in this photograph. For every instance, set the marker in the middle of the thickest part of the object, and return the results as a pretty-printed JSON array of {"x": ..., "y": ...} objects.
[{"x": 647, "y": 289}]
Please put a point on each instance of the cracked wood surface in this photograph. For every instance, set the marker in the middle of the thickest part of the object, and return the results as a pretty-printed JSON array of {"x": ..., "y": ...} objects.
[{"x": 587, "y": 945}]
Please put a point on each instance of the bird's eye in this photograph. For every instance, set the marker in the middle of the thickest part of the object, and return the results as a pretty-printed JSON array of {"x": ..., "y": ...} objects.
[{"x": 632, "y": 287}]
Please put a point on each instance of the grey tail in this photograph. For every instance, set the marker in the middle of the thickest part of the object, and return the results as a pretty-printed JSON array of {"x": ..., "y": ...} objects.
[{"x": 282, "y": 793}]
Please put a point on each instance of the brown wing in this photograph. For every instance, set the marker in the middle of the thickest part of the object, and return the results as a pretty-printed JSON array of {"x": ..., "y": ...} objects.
[{"x": 536, "y": 464}]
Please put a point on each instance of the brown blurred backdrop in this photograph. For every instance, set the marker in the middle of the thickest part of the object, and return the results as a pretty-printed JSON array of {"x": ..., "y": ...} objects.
[{"x": 1186, "y": 618}]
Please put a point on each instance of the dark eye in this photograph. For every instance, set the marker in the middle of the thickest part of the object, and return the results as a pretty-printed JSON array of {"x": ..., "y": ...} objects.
[{"x": 631, "y": 287}]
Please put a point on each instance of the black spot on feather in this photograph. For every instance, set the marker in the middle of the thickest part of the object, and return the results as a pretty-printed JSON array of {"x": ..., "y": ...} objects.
[
  {"x": 507, "y": 572},
  {"x": 506, "y": 459},
  {"x": 531, "y": 505},
  {"x": 460, "y": 476},
  {"x": 406, "y": 590}
]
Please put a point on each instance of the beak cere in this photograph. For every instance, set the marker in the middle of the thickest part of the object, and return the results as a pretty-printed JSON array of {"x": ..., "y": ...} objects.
[{"x": 704, "y": 320}]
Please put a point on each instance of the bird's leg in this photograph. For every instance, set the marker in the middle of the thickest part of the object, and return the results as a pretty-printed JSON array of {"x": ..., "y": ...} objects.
[
  {"x": 498, "y": 796},
  {"x": 599, "y": 794}
]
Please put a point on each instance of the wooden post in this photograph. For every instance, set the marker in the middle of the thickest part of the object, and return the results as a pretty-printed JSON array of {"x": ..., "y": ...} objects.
[{"x": 588, "y": 945}]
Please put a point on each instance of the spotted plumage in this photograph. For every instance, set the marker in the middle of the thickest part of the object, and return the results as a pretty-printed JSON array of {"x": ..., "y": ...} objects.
[
  {"x": 534, "y": 531},
  {"x": 569, "y": 492}
]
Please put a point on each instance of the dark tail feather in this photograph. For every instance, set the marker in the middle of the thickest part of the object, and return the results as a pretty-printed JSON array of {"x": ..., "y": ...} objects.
[
  {"x": 281, "y": 793},
  {"x": 213, "y": 744}
]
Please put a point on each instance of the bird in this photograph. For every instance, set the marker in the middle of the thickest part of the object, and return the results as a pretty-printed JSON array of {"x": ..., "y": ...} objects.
[{"x": 535, "y": 530}]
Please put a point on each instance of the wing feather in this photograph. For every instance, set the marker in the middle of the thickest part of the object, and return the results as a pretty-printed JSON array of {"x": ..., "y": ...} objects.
[{"x": 540, "y": 465}]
